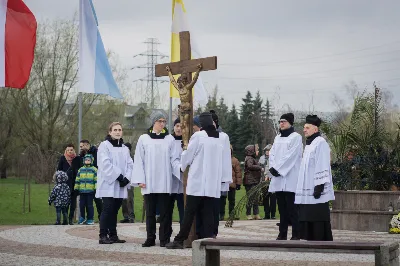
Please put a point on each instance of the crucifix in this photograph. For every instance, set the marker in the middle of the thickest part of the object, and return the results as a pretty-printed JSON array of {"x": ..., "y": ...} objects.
[{"x": 184, "y": 84}]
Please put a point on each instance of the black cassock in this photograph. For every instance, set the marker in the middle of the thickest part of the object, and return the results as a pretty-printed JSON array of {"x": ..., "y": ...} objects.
[{"x": 315, "y": 222}]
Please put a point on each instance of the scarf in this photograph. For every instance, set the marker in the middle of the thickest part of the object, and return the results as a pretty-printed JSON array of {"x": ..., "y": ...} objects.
[
  {"x": 115, "y": 142},
  {"x": 286, "y": 132},
  {"x": 153, "y": 135},
  {"x": 312, "y": 137},
  {"x": 69, "y": 158},
  {"x": 177, "y": 137}
]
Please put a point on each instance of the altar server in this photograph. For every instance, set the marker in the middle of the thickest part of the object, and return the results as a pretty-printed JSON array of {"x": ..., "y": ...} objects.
[
  {"x": 284, "y": 163},
  {"x": 177, "y": 182},
  {"x": 113, "y": 174},
  {"x": 152, "y": 172},
  {"x": 209, "y": 158},
  {"x": 314, "y": 186}
]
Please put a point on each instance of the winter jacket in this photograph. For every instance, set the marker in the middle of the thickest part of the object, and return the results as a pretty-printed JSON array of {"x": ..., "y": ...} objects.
[
  {"x": 236, "y": 173},
  {"x": 252, "y": 170},
  {"x": 61, "y": 193},
  {"x": 86, "y": 178},
  {"x": 71, "y": 170}
]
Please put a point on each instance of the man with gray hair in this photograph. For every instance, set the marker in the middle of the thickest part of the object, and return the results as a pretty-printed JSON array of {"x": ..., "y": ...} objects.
[{"x": 315, "y": 187}]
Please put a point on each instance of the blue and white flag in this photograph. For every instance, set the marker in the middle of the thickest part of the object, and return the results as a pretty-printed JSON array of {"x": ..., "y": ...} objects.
[{"x": 95, "y": 75}]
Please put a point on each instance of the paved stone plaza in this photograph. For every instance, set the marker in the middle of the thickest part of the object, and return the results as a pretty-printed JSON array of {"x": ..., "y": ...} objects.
[{"x": 78, "y": 245}]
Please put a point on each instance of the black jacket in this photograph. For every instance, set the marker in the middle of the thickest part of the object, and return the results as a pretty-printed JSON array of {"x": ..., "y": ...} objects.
[{"x": 71, "y": 170}]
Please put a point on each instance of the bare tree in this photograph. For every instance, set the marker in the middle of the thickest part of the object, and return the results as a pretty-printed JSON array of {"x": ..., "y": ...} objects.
[
  {"x": 352, "y": 89},
  {"x": 44, "y": 111},
  {"x": 9, "y": 124}
]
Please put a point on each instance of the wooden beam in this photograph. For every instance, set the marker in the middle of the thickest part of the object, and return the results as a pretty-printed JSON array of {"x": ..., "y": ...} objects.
[
  {"x": 187, "y": 66},
  {"x": 184, "y": 46}
]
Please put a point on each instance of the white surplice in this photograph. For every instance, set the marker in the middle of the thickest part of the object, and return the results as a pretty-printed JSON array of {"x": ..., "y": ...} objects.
[
  {"x": 153, "y": 164},
  {"x": 315, "y": 170},
  {"x": 177, "y": 182},
  {"x": 112, "y": 162},
  {"x": 225, "y": 186},
  {"x": 285, "y": 157},
  {"x": 210, "y": 164}
]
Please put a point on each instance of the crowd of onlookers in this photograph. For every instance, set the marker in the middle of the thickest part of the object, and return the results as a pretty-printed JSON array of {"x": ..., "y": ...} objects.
[{"x": 77, "y": 176}]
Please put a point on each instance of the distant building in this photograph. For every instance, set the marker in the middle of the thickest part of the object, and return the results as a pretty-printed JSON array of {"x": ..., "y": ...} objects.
[{"x": 140, "y": 117}]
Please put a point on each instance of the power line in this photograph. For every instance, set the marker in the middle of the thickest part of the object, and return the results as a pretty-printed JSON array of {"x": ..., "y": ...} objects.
[
  {"x": 323, "y": 90},
  {"x": 152, "y": 54},
  {"x": 318, "y": 57},
  {"x": 312, "y": 62},
  {"x": 284, "y": 77}
]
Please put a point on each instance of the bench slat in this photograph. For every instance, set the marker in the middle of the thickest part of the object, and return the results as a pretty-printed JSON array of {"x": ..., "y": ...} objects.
[
  {"x": 295, "y": 250},
  {"x": 293, "y": 244}
]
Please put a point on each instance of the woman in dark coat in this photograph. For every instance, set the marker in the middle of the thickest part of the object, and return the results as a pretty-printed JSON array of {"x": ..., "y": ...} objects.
[
  {"x": 252, "y": 177},
  {"x": 70, "y": 163}
]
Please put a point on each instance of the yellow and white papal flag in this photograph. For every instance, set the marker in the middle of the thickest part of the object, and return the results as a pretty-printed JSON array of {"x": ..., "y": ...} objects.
[{"x": 179, "y": 23}]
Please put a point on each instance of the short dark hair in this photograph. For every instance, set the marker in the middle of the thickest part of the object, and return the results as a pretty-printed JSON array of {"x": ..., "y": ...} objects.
[
  {"x": 85, "y": 141},
  {"x": 69, "y": 145}
]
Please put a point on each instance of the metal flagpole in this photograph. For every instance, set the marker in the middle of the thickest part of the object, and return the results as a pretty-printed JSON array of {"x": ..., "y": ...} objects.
[
  {"x": 80, "y": 117},
  {"x": 77, "y": 211}
]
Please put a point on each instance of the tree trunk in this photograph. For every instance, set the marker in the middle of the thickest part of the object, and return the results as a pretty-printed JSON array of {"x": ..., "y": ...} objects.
[{"x": 3, "y": 170}]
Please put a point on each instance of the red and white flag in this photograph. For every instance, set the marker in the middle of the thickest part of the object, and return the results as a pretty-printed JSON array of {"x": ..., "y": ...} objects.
[{"x": 17, "y": 43}]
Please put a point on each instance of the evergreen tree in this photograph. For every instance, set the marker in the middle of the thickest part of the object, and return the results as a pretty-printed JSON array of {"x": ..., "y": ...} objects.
[
  {"x": 198, "y": 111},
  {"x": 245, "y": 129},
  {"x": 231, "y": 128},
  {"x": 212, "y": 103},
  {"x": 222, "y": 112},
  {"x": 268, "y": 123},
  {"x": 257, "y": 119}
]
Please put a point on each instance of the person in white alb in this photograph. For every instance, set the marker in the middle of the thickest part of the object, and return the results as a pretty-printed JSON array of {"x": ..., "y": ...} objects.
[
  {"x": 209, "y": 157},
  {"x": 152, "y": 172},
  {"x": 177, "y": 182},
  {"x": 114, "y": 171},
  {"x": 314, "y": 186},
  {"x": 284, "y": 162}
]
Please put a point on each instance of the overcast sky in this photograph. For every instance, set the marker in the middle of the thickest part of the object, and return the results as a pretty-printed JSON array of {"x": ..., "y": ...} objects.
[{"x": 309, "y": 49}]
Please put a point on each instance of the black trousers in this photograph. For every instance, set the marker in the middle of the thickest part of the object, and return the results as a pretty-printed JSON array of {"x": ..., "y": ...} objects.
[
  {"x": 288, "y": 213},
  {"x": 269, "y": 205},
  {"x": 206, "y": 207},
  {"x": 162, "y": 201},
  {"x": 99, "y": 206},
  {"x": 170, "y": 212},
  {"x": 217, "y": 209},
  {"x": 108, "y": 219},
  {"x": 231, "y": 200},
  {"x": 72, "y": 205}
]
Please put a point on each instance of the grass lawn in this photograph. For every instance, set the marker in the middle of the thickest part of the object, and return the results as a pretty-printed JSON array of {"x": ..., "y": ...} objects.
[{"x": 12, "y": 196}]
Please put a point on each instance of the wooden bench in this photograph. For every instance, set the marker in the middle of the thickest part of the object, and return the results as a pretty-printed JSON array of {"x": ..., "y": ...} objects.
[{"x": 206, "y": 252}]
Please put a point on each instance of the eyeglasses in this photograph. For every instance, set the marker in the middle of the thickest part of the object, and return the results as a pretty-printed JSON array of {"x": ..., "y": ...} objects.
[
  {"x": 161, "y": 121},
  {"x": 282, "y": 121}
]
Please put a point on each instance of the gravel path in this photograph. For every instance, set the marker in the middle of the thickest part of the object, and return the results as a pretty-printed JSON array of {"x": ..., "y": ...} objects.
[{"x": 78, "y": 245}]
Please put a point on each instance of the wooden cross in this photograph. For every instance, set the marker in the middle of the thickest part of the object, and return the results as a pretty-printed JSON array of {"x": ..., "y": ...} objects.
[{"x": 186, "y": 66}]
